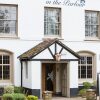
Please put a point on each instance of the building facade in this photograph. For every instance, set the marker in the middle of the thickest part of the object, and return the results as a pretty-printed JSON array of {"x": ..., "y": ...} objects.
[{"x": 41, "y": 44}]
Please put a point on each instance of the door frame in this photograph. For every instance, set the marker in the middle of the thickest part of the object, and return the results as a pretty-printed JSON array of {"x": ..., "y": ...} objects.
[{"x": 43, "y": 77}]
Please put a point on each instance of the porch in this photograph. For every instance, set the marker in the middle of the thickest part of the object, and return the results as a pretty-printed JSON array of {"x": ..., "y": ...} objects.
[{"x": 52, "y": 62}]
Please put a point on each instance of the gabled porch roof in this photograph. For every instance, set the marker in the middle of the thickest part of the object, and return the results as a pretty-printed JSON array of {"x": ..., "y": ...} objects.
[{"x": 31, "y": 53}]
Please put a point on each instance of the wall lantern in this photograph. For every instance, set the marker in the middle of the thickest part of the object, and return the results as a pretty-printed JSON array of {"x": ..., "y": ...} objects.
[{"x": 57, "y": 56}]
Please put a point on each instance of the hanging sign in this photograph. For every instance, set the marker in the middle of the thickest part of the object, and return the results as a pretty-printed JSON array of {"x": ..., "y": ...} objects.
[{"x": 77, "y": 3}]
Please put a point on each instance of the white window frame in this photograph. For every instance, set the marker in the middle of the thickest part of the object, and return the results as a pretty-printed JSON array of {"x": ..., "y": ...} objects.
[
  {"x": 11, "y": 35},
  {"x": 85, "y": 66},
  {"x": 47, "y": 27},
  {"x": 89, "y": 32},
  {"x": 7, "y": 53},
  {"x": 88, "y": 54}
]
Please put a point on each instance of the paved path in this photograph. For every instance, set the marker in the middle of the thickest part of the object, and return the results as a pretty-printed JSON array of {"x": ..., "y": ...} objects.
[{"x": 63, "y": 98}]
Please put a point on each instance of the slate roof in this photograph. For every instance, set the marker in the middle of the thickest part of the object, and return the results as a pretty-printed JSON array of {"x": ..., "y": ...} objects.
[{"x": 42, "y": 46}]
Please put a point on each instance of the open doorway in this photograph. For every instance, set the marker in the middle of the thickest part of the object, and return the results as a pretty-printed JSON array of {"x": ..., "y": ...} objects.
[{"x": 55, "y": 78}]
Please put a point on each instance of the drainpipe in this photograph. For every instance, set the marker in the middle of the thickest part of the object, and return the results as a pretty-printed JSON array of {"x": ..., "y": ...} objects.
[{"x": 21, "y": 73}]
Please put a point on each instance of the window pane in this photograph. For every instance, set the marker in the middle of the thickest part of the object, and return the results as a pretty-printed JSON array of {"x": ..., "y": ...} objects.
[
  {"x": 83, "y": 71},
  {"x": 1, "y": 26},
  {"x": 7, "y": 27},
  {"x": 1, "y": 29},
  {"x": 1, "y": 23},
  {"x": 83, "y": 60},
  {"x": 12, "y": 30},
  {"x": 78, "y": 71},
  {"x": 13, "y": 13},
  {"x": 0, "y": 59},
  {"x": 89, "y": 60},
  {"x": 0, "y": 72},
  {"x": 6, "y": 60},
  {"x": 6, "y": 72},
  {"x": 1, "y": 14},
  {"x": 89, "y": 71}
]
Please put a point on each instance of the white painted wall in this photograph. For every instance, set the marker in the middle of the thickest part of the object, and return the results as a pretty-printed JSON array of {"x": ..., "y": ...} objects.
[
  {"x": 36, "y": 75},
  {"x": 27, "y": 82},
  {"x": 30, "y": 19},
  {"x": 73, "y": 74},
  {"x": 9, "y": 2}
]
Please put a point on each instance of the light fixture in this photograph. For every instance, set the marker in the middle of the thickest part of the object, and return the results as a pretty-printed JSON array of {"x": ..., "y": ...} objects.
[{"x": 57, "y": 56}]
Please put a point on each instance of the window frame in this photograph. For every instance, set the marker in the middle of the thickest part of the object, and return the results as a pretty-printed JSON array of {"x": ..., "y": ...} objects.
[
  {"x": 85, "y": 65},
  {"x": 98, "y": 25},
  {"x": 10, "y": 80},
  {"x": 88, "y": 54},
  {"x": 10, "y": 35},
  {"x": 59, "y": 24}
]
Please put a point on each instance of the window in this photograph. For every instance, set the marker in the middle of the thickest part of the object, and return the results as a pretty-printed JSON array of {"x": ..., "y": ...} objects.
[
  {"x": 5, "y": 66},
  {"x": 52, "y": 21},
  {"x": 85, "y": 67},
  {"x": 8, "y": 20},
  {"x": 91, "y": 24}
]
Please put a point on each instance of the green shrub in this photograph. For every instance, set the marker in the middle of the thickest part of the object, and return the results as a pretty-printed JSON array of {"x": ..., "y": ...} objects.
[
  {"x": 7, "y": 96},
  {"x": 87, "y": 85},
  {"x": 18, "y": 89},
  {"x": 32, "y": 97},
  {"x": 82, "y": 92},
  {"x": 9, "y": 89},
  {"x": 19, "y": 96},
  {"x": 14, "y": 96}
]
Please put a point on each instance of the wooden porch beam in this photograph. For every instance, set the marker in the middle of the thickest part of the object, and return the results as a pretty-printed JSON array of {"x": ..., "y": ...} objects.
[
  {"x": 61, "y": 50},
  {"x": 50, "y": 52}
]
